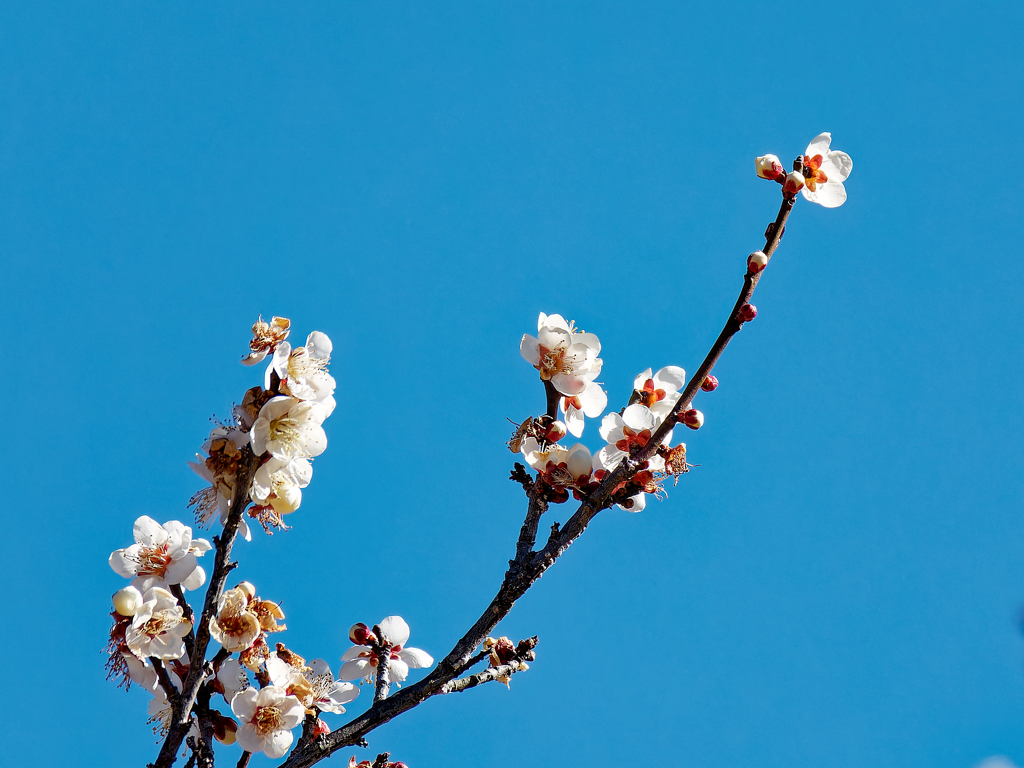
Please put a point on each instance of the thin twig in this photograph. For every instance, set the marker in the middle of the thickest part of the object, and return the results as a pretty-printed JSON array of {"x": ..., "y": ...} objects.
[{"x": 383, "y": 650}]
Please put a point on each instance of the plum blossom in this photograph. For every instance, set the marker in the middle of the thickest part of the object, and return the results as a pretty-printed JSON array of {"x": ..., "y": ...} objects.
[
  {"x": 312, "y": 684},
  {"x": 231, "y": 679},
  {"x": 564, "y": 355},
  {"x": 235, "y": 627},
  {"x": 162, "y": 555},
  {"x": 266, "y": 718},
  {"x": 289, "y": 428},
  {"x": 266, "y": 337},
  {"x": 361, "y": 661},
  {"x": 278, "y": 483},
  {"x": 824, "y": 172},
  {"x": 659, "y": 392},
  {"x": 303, "y": 370},
  {"x": 158, "y": 627},
  {"x": 591, "y": 402},
  {"x": 219, "y": 468}
]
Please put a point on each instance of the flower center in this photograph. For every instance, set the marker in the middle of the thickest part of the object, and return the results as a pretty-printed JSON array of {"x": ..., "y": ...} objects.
[
  {"x": 161, "y": 622},
  {"x": 813, "y": 172},
  {"x": 267, "y": 719},
  {"x": 552, "y": 361},
  {"x": 303, "y": 365},
  {"x": 153, "y": 561}
]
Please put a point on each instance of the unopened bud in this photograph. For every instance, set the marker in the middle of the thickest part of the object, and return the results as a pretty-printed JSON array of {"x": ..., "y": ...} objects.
[
  {"x": 794, "y": 183},
  {"x": 710, "y": 384},
  {"x": 769, "y": 167},
  {"x": 555, "y": 432},
  {"x": 321, "y": 729},
  {"x": 249, "y": 588},
  {"x": 747, "y": 313},
  {"x": 692, "y": 418},
  {"x": 127, "y": 601},
  {"x": 756, "y": 262},
  {"x": 360, "y": 634}
]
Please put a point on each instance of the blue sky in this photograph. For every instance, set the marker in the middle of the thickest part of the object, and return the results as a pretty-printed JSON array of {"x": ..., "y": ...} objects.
[{"x": 840, "y": 581}]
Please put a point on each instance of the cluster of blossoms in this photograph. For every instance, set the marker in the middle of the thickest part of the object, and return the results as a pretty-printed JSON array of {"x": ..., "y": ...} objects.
[
  {"x": 819, "y": 174},
  {"x": 282, "y": 422},
  {"x": 274, "y": 433},
  {"x": 567, "y": 361}
]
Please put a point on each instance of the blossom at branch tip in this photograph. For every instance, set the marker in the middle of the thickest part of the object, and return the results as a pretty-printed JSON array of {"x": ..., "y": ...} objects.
[
  {"x": 265, "y": 338},
  {"x": 538, "y": 454},
  {"x": 591, "y": 402},
  {"x": 162, "y": 555},
  {"x": 266, "y": 718},
  {"x": 360, "y": 661},
  {"x": 824, "y": 172},
  {"x": 564, "y": 356},
  {"x": 289, "y": 428},
  {"x": 159, "y": 627},
  {"x": 303, "y": 370}
]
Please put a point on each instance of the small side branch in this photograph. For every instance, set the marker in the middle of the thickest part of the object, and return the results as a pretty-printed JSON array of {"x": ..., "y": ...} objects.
[
  {"x": 383, "y": 650},
  {"x": 502, "y": 672}
]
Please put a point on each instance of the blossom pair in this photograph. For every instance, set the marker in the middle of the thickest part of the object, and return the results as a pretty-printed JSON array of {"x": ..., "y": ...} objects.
[{"x": 821, "y": 178}]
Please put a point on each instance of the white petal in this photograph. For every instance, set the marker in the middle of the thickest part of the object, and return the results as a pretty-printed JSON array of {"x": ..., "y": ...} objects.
[
  {"x": 395, "y": 630},
  {"x": 671, "y": 378},
  {"x": 355, "y": 670},
  {"x": 830, "y": 195},
  {"x": 277, "y": 743},
  {"x": 398, "y": 670},
  {"x": 638, "y": 417},
  {"x": 837, "y": 165},
  {"x": 641, "y": 379},
  {"x": 195, "y": 580},
  {"x": 416, "y": 658},
  {"x": 529, "y": 348},
  {"x": 148, "y": 532},
  {"x": 819, "y": 145}
]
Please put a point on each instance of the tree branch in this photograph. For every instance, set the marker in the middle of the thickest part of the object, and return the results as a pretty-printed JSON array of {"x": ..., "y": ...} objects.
[
  {"x": 520, "y": 578},
  {"x": 181, "y": 717}
]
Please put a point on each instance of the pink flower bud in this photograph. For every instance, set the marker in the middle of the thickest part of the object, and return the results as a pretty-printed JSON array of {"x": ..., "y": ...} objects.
[
  {"x": 320, "y": 729},
  {"x": 555, "y": 432},
  {"x": 710, "y": 384},
  {"x": 769, "y": 167},
  {"x": 747, "y": 313},
  {"x": 360, "y": 634},
  {"x": 794, "y": 183},
  {"x": 756, "y": 262},
  {"x": 692, "y": 418}
]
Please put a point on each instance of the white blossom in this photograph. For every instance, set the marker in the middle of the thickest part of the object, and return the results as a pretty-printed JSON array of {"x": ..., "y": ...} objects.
[
  {"x": 564, "y": 356},
  {"x": 162, "y": 555},
  {"x": 158, "y": 628},
  {"x": 266, "y": 718},
  {"x": 289, "y": 428},
  {"x": 279, "y": 483},
  {"x": 824, "y": 172},
  {"x": 303, "y": 370},
  {"x": 361, "y": 661}
]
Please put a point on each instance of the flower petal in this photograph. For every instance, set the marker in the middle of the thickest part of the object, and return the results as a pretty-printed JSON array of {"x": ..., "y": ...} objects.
[{"x": 395, "y": 630}]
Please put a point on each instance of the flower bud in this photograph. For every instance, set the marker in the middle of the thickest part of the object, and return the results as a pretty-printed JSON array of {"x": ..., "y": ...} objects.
[
  {"x": 223, "y": 728},
  {"x": 692, "y": 418},
  {"x": 794, "y": 183},
  {"x": 710, "y": 384},
  {"x": 555, "y": 432},
  {"x": 360, "y": 634},
  {"x": 756, "y": 262},
  {"x": 127, "y": 601},
  {"x": 769, "y": 167},
  {"x": 320, "y": 729},
  {"x": 747, "y": 313},
  {"x": 249, "y": 588}
]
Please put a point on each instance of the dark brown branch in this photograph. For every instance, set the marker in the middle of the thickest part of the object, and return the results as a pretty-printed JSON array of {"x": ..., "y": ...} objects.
[
  {"x": 553, "y": 396},
  {"x": 520, "y": 578},
  {"x": 181, "y": 717},
  {"x": 244, "y": 760},
  {"x": 528, "y": 533},
  {"x": 165, "y": 682},
  {"x": 383, "y": 650}
]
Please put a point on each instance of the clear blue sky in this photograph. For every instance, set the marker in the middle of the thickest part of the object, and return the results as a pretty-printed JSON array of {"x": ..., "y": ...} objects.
[{"x": 838, "y": 584}]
